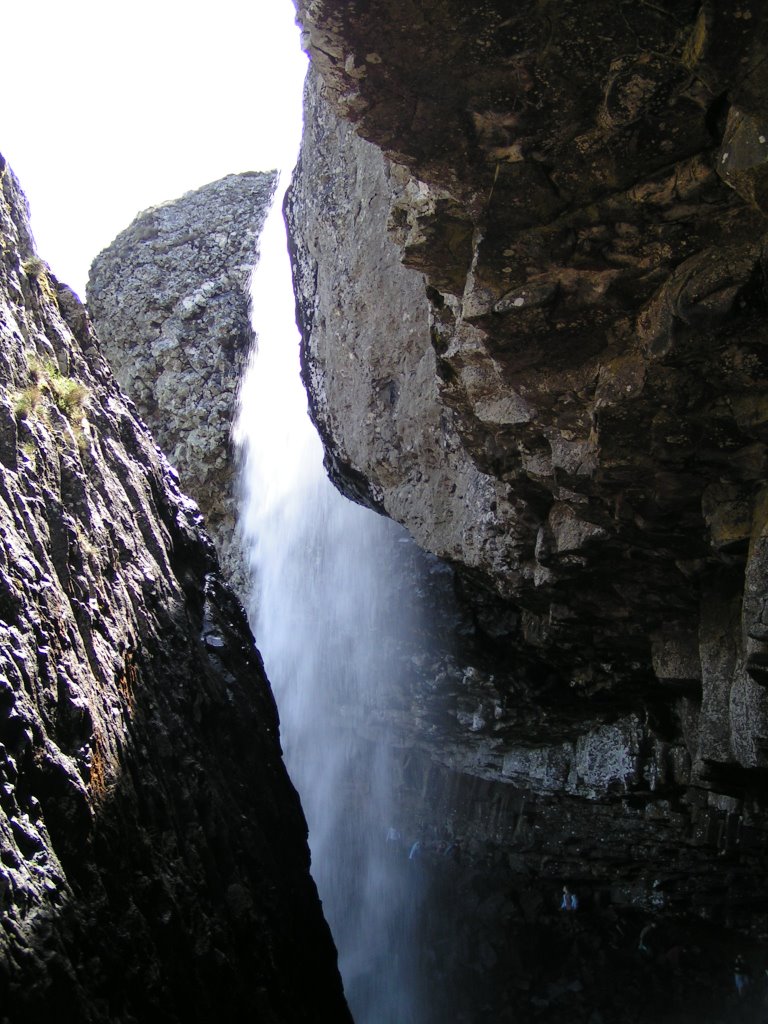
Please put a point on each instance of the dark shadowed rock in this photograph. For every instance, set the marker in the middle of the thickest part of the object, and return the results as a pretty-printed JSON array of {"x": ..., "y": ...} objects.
[
  {"x": 529, "y": 259},
  {"x": 153, "y": 857},
  {"x": 590, "y": 442}
]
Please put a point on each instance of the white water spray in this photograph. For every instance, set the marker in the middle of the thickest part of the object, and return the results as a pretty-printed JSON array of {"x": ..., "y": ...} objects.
[{"x": 329, "y": 609}]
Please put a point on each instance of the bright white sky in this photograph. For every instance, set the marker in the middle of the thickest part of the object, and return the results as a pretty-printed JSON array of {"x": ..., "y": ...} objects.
[{"x": 112, "y": 106}]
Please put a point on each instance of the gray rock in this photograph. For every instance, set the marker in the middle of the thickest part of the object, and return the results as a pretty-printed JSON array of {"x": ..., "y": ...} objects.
[
  {"x": 537, "y": 414},
  {"x": 561, "y": 390},
  {"x": 367, "y": 357},
  {"x": 170, "y": 301}
]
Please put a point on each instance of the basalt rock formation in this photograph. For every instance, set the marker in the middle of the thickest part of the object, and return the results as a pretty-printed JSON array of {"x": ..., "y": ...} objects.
[
  {"x": 529, "y": 262},
  {"x": 153, "y": 857},
  {"x": 169, "y": 299}
]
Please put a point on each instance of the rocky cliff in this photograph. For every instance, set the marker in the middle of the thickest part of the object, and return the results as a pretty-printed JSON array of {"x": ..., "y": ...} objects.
[
  {"x": 153, "y": 858},
  {"x": 529, "y": 264},
  {"x": 170, "y": 302},
  {"x": 585, "y": 441}
]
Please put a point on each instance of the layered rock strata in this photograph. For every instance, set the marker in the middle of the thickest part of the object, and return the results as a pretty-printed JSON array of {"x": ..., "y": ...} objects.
[
  {"x": 153, "y": 857},
  {"x": 170, "y": 301},
  {"x": 528, "y": 257},
  {"x": 571, "y": 412}
]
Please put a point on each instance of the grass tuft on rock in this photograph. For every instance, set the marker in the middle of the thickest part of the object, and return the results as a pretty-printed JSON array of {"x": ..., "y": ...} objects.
[{"x": 46, "y": 380}]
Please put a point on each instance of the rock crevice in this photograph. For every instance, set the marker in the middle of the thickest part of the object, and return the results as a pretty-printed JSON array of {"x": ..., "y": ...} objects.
[{"x": 153, "y": 856}]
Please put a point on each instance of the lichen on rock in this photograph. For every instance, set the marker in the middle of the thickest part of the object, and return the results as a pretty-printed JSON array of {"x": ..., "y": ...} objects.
[{"x": 170, "y": 301}]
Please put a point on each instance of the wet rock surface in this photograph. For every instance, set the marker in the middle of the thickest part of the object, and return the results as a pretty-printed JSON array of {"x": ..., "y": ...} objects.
[
  {"x": 153, "y": 858},
  {"x": 524, "y": 959},
  {"x": 530, "y": 289},
  {"x": 170, "y": 301},
  {"x": 507, "y": 805}
]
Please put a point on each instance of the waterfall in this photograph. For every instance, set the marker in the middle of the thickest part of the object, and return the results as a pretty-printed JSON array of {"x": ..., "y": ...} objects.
[{"x": 332, "y": 604}]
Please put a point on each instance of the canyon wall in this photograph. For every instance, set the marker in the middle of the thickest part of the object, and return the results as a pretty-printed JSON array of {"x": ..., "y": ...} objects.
[
  {"x": 153, "y": 857},
  {"x": 529, "y": 266},
  {"x": 571, "y": 410}
]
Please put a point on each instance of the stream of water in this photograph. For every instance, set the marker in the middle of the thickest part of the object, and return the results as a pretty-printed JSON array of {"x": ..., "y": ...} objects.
[{"x": 330, "y": 607}]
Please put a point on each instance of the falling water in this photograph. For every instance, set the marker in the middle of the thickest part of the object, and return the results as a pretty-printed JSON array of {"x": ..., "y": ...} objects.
[{"x": 330, "y": 611}]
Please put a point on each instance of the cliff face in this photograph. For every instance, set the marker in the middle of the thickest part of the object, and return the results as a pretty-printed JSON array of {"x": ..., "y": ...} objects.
[
  {"x": 529, "y": 264},
  {"x": 170, "y": 302},
  {"x": 589, "y": 450},
  {"x": 153, "y": 856}
]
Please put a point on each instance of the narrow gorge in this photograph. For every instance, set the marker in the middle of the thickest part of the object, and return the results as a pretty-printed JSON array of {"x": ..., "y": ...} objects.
[
  {"x": 153, "y": 851},
  {"x": 527, "y": 246}
]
